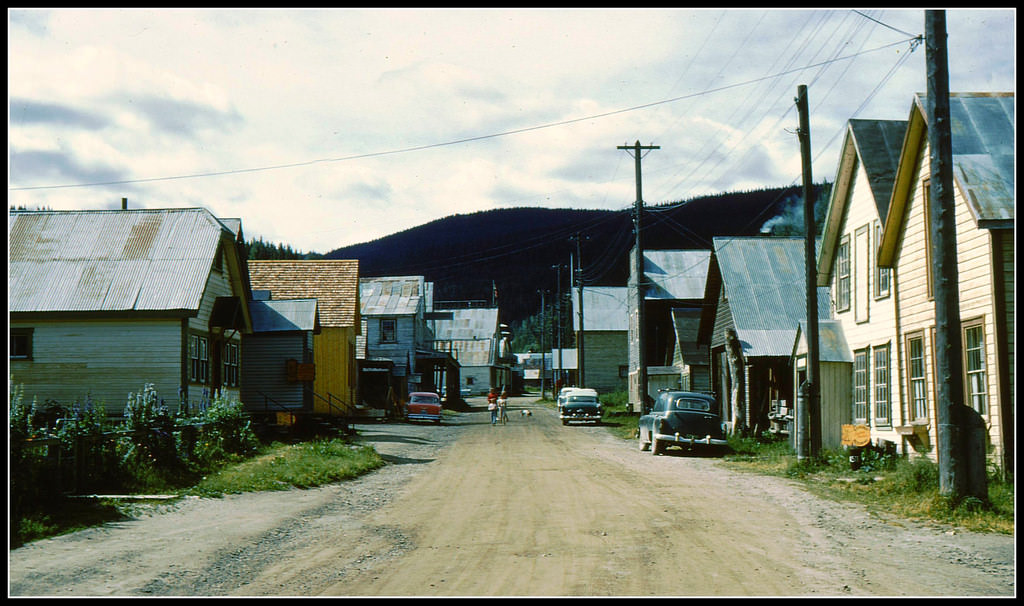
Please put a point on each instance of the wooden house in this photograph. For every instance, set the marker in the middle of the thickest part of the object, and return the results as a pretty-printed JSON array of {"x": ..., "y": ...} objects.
[
  {"x": 672, "y": 280},
  {"x": 474, "y": 338},
  {"x": 862, "y": 290},
  {"x": 605, "y": 337},
  {"x": 757, "y": 289},
  {"x": 277, "y": 358},
  {"x": 335, "y": 286},
  {"x": 103, "y": 302},
  {"x": 835, "y": 364},
  {"x": 982, "y": 126}
]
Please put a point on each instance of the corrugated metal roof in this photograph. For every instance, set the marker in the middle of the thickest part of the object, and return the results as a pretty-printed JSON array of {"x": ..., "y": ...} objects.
[
  {"x": 832, "y": 345},
  {"x": 983, "y": 127},
  {"x": 284, "y": 316},
  {"x": 119, "y": 260},
  {"x": 333, "y": 283},
  {"x": 878, "y": 144},
  {"x": 471, "y": 352},
  {"x": 391, "y": 296},
  {"x": 468, "y": 324},
  {"x": 675, "y": 274},
  {"x": 765, "y": 283},
  {"x": 604, "y": 308}
]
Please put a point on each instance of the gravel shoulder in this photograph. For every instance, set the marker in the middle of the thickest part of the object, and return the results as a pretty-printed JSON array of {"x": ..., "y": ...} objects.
[{"x": 527, "y": 509}]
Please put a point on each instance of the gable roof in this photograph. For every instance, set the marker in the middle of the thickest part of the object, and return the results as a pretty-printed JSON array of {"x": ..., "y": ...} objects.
[
  {"x": 471, "y": 334},
  {"x": 764, "y": 279},
  {"x": 982, "y": 127},
  {"x": 113, "y": 260},
  {"x": 675, "y": 274},
  {"x": 875, "y": 145},
  {"x": 334, "y": 283},
  {"x": 391, "y": 296}
]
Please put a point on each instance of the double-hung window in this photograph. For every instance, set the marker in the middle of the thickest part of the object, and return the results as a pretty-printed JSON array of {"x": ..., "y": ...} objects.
[
  {"x": 974, "y": 366},
  {"x": 388, "y": 330},
  {"x": 231, "y": 365},
  {"x": 882, "y": 274},
  {"x": 843, "y": 275},
  {"x": 883, "y": 401},
  {"x": 21, "y": 344},
  {"x": 199, "y": 359},
  {"x": 916, "y": 378},
  {"x": 860, "y": 386}
]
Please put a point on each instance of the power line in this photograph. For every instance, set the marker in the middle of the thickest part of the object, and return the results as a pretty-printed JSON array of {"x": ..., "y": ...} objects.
[{"x": 453, "y": 142}]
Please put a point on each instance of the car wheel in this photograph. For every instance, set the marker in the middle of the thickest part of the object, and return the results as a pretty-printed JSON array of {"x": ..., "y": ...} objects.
[
  {"x": 644, "y": 445},
  {"x": 565, "y": 422},
  {"x": 657, "y": 446}
]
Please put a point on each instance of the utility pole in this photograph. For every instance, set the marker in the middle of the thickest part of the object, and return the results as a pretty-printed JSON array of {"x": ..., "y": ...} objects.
[
  {"x": 558, "y": 315},
  {"x": 581, "y": 378},
  {"x": 638, "y": 271},
  {"x": 810, "y": 439},
  {"x": 960, "y": 433},
  {"x": 543, "y": 322}
]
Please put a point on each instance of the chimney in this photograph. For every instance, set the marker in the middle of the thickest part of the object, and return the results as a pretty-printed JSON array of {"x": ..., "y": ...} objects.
[{"x": 124, "y": 203}]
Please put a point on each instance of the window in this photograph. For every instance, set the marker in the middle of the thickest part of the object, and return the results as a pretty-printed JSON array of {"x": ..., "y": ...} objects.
[
  {"x": 231, "y": 365},
  {"x": 916, "y": 375},
  {"x": 21, "y": 344},
  {"x": 860, "y": 386},
  {"x": 882, "y": 274},
  {"x": 843, "y": 275},
  {"x": 883, "y": 403},
  {"x": 974, "y": 365},
  {"x": 388, "y": 330},
  {"x": 927, "y": 203},
  {"x": 623, "y": 371},
  {"x": 198, "y": 358}
]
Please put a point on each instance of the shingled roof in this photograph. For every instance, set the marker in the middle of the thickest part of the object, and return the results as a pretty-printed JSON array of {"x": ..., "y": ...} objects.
[{"x": 333, "y": 283}]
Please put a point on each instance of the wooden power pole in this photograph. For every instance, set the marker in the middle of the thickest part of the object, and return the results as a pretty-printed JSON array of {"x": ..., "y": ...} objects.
[
  {"x": 638, "y": 271},
  {"x": 960, "y": 433},
  {"x": 809, "y": 440}
]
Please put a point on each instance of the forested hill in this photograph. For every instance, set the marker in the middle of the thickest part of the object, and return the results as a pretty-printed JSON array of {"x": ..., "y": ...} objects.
[{"x": 514, "y": 249}]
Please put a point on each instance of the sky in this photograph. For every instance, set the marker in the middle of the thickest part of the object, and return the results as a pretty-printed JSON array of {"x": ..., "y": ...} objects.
[{"x": 324, "y": 128}]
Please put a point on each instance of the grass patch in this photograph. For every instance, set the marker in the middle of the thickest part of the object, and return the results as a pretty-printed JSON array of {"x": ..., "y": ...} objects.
[
  {"x": 285, "y": 466},
  {"x": 885, "y": 483}
]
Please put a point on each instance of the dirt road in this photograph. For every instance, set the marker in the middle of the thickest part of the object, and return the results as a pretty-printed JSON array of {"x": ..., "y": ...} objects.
[{"x": 527, "y": 509}]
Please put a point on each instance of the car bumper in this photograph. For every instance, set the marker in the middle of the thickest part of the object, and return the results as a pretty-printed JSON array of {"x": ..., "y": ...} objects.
[
  {"x": 594, "y": 417},
  {"x": 423, "y": 417},
  {"x": 690, "y": 441}
]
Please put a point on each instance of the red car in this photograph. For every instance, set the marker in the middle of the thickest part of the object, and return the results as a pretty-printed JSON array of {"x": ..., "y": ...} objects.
[{"x": 423, "y": 406}]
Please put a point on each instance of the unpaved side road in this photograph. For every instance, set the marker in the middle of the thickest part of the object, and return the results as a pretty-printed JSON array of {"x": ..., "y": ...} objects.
[{"x": 527, "y": 509}]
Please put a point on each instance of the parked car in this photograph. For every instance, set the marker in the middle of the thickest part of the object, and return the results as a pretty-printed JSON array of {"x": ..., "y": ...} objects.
[
  {"x": 581, "y": 404},
  {"x": 563, "y": 394},
  {"x": 423, "y": 406},
  {"x": 682, "y": 418}
]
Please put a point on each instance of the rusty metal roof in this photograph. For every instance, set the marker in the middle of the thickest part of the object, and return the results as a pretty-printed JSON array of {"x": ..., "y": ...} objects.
[
  {"x": 111, "y": 260},
  {"x": 983, "y": 127},
  {"x": 765, "y": 284},
  {"x": 392, "y": 296},
  {"x": 334, "y": 283},
  {"x": 468, "y": 324}
]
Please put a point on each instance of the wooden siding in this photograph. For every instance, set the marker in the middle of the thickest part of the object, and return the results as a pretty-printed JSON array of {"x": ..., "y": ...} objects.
[
  {"x": 218, "y": 284},
  {"x": 334, "y": 355},
  {"x": 605, "y": 352},
  {"x": 102, "y": 359},
  {"x": 264, "y": 364},
  {"x": 877, "y": 327},
  {"x": 976, "y": 288}
]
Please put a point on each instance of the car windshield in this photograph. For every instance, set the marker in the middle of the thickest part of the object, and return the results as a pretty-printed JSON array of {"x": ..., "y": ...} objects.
[
  {"x": 685, "y": 403},
  {"x": 583, "y": 399},
  {"x": 418, "y": 399}
]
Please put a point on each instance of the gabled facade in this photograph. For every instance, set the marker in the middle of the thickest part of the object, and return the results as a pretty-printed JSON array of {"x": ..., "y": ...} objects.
[
  {"x": 335, "y": 286},
  {"x": 673, "y": 279},
  {"x": 983, "y": 127},
  {"x": 863, "y": 291},
  {"x": 605, "y": 337},
  {"x": 103, "y": 302},
  {"x": 473, "y": 337},
  {"x": 758, "y": 285}
]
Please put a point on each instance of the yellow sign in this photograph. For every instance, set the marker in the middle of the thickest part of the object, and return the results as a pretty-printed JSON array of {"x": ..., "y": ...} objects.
[{"x": 856, "y": 435}]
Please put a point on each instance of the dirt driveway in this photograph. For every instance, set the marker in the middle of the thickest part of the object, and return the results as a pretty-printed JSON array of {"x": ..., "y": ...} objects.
[{"x": 527, "y": 509}]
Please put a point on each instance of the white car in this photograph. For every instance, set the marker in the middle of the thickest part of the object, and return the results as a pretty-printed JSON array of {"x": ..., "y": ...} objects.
[{"x": 563, "y": 394}]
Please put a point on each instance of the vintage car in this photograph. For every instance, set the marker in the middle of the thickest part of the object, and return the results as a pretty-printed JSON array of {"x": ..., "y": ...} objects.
[
  {"x": 581, "y": 404},
  {"x": 423, "y": 406},
  {"x": 682, "y": 418},
  {"x": 563, "y": 395}
]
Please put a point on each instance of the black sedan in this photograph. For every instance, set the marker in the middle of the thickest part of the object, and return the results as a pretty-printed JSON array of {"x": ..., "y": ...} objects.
[{"x": 682, "y": 418}]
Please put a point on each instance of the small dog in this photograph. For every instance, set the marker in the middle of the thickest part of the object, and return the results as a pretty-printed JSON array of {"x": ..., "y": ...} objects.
[{"x": 526, "y": 413}]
